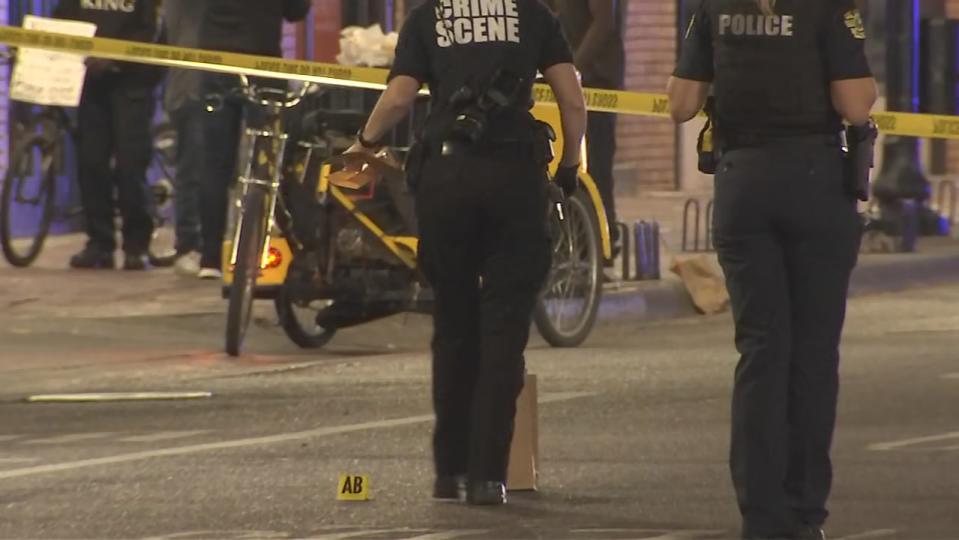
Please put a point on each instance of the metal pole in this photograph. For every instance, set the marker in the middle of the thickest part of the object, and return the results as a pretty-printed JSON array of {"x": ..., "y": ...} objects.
[{"x": 900, "y": 178}]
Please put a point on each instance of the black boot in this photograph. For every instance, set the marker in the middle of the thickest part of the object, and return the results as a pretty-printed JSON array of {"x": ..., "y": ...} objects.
[
  {"x": 135, "y": 261},
  {"x": 486, "y": 493},
  {"x": 811, "y": 532},
  {"x": 93, "y": 258},
  {"x": 449, "y": 488}
]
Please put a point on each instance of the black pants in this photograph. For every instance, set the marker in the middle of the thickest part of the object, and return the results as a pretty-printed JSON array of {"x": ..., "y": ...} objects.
[
  {"x": 484, "y": 249},
  {"x": 787, "y": 237},
  {"x": 115, "y": 116},
  {"x": 188, "y": 122},
  {"x": 221, "y": 137},
  {"x": 601, "y": 136}
]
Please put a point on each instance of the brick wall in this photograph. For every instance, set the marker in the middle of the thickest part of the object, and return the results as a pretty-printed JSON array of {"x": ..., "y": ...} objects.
[{"x": 646, "y": 154}]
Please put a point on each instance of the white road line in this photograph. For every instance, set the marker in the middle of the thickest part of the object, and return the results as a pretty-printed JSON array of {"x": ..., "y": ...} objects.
[
  {"x": 242, "y": 443},
  {"x": 73, "y": 437},
  {"x": 951, "y": 376},
  {"x": 16, "y": 460},
  {"x": 117, "y": 396},
  {"x": 880, "y": 447},
  {"x": 447, "y": 535},
  {"x": 162, "y": 436},
  {"x": 878, "y": 533},
  {"x": 5, "y": 438}
]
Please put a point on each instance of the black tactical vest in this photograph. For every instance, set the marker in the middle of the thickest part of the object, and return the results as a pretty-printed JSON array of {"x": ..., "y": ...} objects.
[{"x": 770, "y": 77}]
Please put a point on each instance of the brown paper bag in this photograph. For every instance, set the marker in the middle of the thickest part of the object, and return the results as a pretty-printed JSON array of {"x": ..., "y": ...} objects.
[
  {"x": 704, "y": 282},
  {"x": 524, "y": 451}
]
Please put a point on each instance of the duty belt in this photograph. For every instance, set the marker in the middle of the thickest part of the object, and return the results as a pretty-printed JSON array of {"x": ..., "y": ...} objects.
[{"x": 738, "y": 142}]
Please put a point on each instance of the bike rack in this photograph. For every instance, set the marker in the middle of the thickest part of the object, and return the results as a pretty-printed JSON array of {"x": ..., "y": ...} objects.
[
  {"x": 691, "y": 204},
  {"x": 698, "y": 226},
  {"x": 626, "y": 243},
  {"x": 709, "y": 225},
  {"x": 647, "y": 250}
]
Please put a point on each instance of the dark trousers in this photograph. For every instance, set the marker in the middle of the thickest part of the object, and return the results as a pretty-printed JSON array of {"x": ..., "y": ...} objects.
[
  {"x": 787, "y": 237},
  {"x": 484, "y": 249},
  {"x": 188, "y": 123},
  {"x": 115, "y": 116},
  {"x": 601, "y": 151},
  {"x": 221, "y": 135}
]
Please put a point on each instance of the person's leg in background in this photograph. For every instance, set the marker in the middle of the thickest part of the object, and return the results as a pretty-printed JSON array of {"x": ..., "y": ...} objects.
[
  {"x": 221, "y": 134},
  {"x": 516, "y": 251},
  {"x": 133, "y": 106},
  {"x": 449, "y": 257},
  {"x": 601, "y": 142},
  {"x": 188, "y": 122},
  {"x": 95, "y": 177}
]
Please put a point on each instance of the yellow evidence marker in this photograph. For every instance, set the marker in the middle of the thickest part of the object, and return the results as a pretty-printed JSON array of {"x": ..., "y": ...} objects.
[{"x": 353, "y": 487}]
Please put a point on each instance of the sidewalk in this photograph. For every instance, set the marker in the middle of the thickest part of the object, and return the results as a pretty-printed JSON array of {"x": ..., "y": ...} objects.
[
  {"x": 50, "y": 290},
  {"x": 935, "y": 261}
]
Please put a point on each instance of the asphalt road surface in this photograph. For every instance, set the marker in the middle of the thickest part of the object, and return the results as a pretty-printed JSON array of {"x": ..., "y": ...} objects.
[{"x": 633, "y": 427}]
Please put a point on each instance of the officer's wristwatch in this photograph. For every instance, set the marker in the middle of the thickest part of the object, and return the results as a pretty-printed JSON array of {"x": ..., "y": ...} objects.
[{"x": 371, "y": 145}]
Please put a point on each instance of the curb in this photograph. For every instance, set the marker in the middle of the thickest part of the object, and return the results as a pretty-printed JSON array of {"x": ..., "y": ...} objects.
[{"x": 875, "y": 274}]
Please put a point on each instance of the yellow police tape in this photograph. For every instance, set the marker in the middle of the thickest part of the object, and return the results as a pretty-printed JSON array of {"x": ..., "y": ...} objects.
[{"x": 633, "y": 103}]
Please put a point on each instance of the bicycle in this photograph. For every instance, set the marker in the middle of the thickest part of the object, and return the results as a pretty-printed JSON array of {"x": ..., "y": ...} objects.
[
  {"x": 260, "y": 160},
  {"x": 346, "y": 254},
  {"x": 28, "y": 198}
]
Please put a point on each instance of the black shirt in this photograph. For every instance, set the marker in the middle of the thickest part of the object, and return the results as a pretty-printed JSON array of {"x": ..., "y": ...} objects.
[
  {"x": 445, "y": 45},
  {"x": 771, "y": 73},
  {"x": 608, "y": 68},
  {"x": 248, "y": 26},
  {"x": 135, "y": 20}
]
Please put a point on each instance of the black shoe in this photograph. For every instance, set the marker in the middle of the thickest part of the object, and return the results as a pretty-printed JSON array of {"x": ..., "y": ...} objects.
[
  {"x": 811, "y": 532},
  {"x": 135, "y": 261},
  {"x": 92, "y": 258},
  {"x": 485, "y": 493},
  {"x": 449, "y": 488}
]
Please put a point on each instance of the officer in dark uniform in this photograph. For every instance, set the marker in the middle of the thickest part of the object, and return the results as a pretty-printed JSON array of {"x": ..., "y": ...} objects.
[
  {"x": 481, "y": 202},
  {"x": 785, "y": 74},
  {"x": 115, "y": 115}
]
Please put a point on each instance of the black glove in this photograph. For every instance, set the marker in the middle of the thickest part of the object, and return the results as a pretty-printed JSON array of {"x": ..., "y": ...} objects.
[{"x": 567, "y": 178}]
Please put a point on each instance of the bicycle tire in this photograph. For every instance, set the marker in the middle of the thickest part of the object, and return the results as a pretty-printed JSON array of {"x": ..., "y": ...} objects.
[
  {"x": 303, "y": 337},
  {"x": 23, "y": 152},
  {"x": 249, "y": 252},
  {"x": 580, "y": 211}
]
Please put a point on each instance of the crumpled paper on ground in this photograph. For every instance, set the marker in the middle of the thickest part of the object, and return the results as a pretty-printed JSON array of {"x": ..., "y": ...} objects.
[
  {"x": 367, "y": 47},
  {"x": 704, "y": 281}
]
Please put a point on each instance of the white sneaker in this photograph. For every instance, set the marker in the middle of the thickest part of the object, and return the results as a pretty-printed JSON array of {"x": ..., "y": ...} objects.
[
  {"x": 210, "y": 273},
  {"x": 187, "y": 264}
]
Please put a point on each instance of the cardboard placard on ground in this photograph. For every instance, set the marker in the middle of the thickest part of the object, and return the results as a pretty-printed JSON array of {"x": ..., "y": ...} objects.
[
  {"x": 524, "y": 451},
  {"x": 704, "y": 281}
]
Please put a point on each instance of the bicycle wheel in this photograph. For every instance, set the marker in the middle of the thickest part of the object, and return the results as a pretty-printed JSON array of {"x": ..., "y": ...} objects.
[
  {"x": 298, "y": 320},
  {"x": 566, "y": 310},
  {"x": 28, "y": 197},
  {"x": 249, "y": 253}
]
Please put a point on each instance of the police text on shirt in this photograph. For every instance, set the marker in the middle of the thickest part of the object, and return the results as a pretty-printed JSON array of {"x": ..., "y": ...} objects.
[
  {"x": 126, "y": 6},
  {"x": 462, "y": 22},
  {"x": 756, "y": 25}
]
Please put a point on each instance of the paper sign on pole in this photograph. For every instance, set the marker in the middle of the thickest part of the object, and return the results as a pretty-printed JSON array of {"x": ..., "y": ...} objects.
[{"x": 49, "y": 77}]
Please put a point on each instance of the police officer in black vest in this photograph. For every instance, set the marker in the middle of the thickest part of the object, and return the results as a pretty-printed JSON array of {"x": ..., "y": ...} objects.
[
  {"x": 481, "y": 200},
  {"x": 115, "y": 115},
  {"x": 784, "y": 74}
]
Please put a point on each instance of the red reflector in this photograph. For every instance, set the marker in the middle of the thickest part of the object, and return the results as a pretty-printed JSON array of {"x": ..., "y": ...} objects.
[{"x": 273, "y": 259}]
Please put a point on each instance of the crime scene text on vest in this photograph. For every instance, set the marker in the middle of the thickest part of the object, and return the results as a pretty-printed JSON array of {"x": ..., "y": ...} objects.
[{"x": 462, "y": 22}]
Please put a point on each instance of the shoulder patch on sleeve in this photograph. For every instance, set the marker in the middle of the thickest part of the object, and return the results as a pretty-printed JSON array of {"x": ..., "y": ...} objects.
[{"x": 853, "y": 20}]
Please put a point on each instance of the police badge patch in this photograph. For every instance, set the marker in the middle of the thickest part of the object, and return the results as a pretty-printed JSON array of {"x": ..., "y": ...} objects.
[{"x": 853, "y": 21}]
